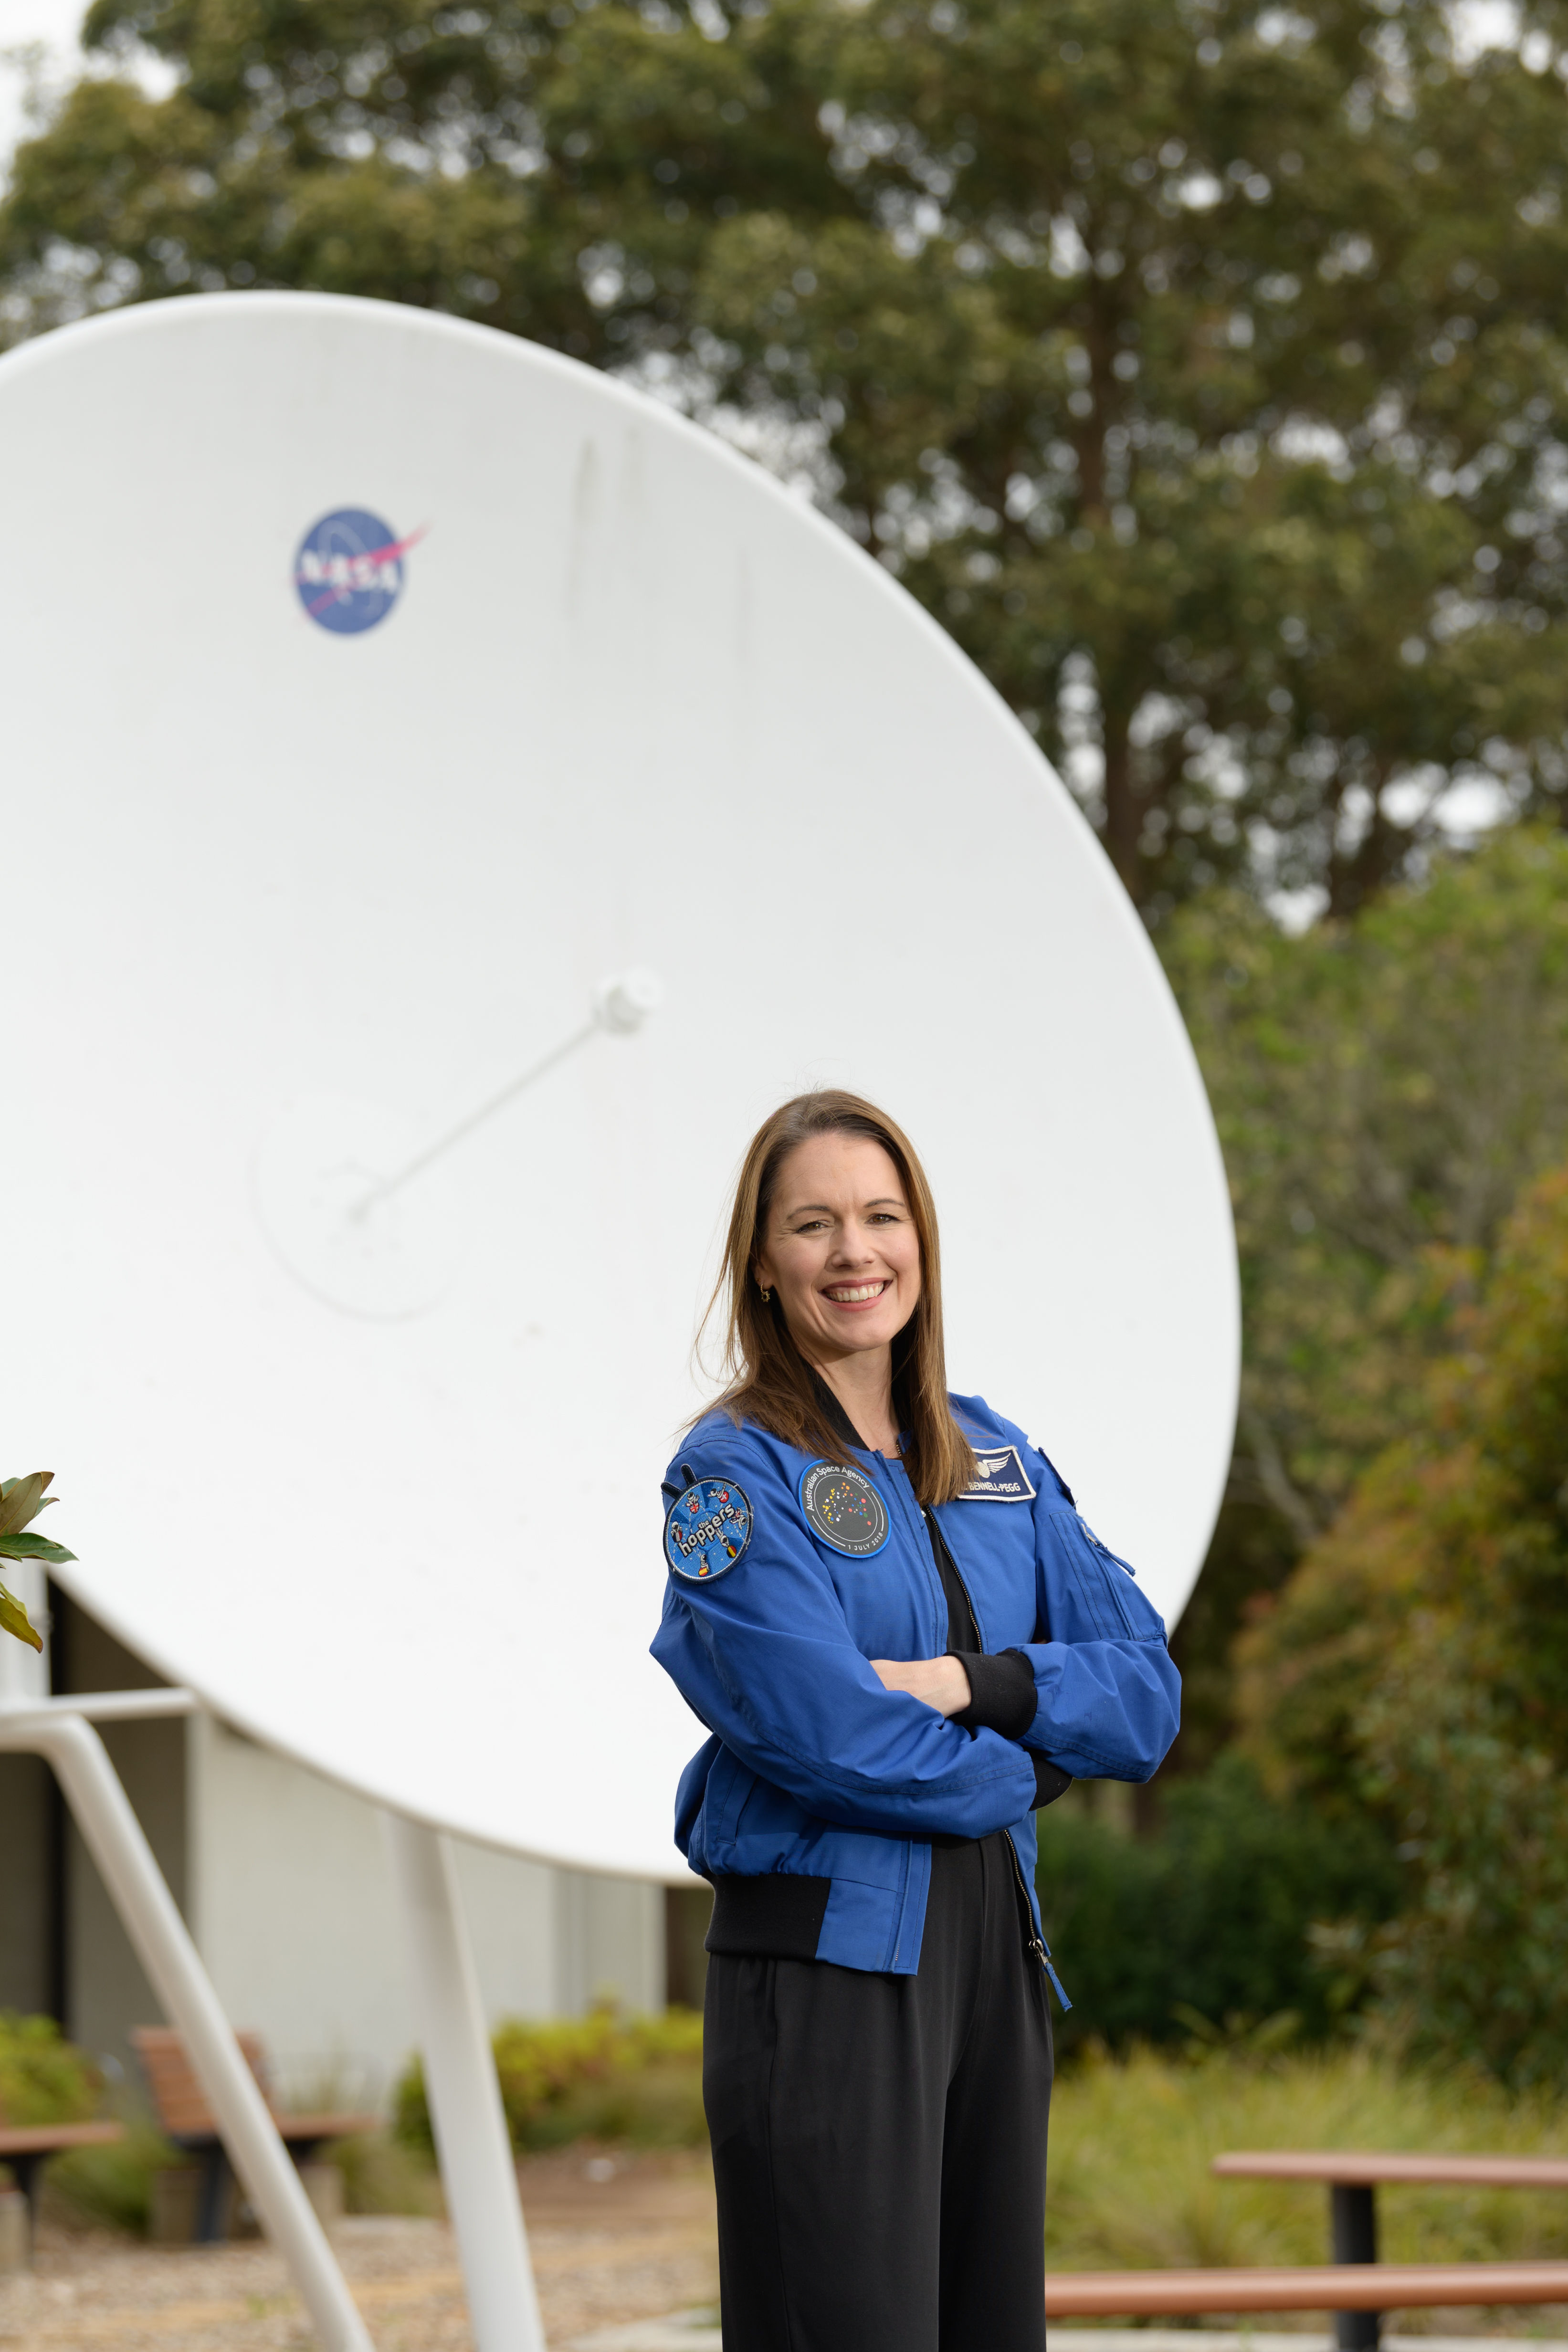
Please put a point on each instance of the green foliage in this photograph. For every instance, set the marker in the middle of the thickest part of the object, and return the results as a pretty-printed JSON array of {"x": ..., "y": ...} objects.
[
  {"x": 1212, "y": 1918},
  {"x": 21, "y": 1500},
  {"x": 1422, "y": 1648},
  {"x": 44, "y": 2078},
  {"x": 1202, "y": 371},
  {"x": 601, "y": 2076},
  {"x": 1131, "y": 2142},
  {"x": 112, "y": 2187},
  {"x": 383, "y": 2174},
  {"x": 1382, "y": 1089}
]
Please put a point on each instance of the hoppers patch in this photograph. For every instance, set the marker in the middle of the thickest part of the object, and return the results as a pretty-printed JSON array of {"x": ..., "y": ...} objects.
[
  {"x": 844, "y": 1508},
  {"x": 708, "y": 1529},
  {"x": 999, "y": 1477}
]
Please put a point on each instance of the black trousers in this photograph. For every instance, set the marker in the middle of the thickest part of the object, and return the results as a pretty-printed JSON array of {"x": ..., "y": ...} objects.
[{"x": 880, "y": 2141}]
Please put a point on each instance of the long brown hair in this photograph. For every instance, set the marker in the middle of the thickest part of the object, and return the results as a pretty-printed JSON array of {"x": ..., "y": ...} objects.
[{"x": 768, "y": 1379}]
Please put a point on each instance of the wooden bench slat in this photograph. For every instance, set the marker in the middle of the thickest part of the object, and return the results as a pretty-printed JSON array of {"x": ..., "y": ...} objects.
[
  {"x": 182, "y": 2103},
  {"x": 1333, "y": 2286},
  {"x": 177, "y": 2094},
  {"x": 1359, "y": 2167},
  {"x": 36, "y": 2139}
]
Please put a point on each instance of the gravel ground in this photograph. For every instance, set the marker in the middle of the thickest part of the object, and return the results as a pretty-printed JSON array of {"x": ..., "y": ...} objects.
[{"x": 615, "y": 2241}]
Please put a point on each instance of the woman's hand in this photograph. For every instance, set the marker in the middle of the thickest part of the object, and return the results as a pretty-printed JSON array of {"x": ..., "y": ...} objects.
[{"x": 941, "y": 1683}]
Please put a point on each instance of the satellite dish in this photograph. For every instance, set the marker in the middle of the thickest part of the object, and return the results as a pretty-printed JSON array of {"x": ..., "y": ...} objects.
[{"x": 451, "y": 800}]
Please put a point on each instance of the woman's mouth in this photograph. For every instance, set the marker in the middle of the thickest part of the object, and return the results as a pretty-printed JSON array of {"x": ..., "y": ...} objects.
[{"x": 855, "y": 1294}]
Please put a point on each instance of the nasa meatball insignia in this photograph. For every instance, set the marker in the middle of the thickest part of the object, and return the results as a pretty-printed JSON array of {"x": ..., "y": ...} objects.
[
  {"x": 999, "y": 1477},
  {"x": 708, "y": 1529},
  {"x": 844, "y": 1508},
  {"x": 349, "y": 570}
]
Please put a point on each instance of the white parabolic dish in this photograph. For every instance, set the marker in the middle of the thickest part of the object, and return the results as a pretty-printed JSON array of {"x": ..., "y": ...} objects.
[{"x": 285, "y": 899}]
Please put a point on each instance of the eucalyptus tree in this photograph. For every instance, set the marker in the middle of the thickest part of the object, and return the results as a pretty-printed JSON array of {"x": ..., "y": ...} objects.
[{"x": 1198, "y": 363}]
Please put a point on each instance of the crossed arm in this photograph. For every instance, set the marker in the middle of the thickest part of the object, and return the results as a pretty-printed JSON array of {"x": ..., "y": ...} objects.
[{"x": 941, "y": 1683}]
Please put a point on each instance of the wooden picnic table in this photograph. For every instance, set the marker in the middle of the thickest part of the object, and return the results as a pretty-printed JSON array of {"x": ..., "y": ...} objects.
[
  {"x": 28, "y": 2147},
  {"x": 1354, "y": 2176}
]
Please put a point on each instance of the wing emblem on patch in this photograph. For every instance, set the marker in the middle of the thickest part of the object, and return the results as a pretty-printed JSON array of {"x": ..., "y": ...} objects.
[{"x": 999, "y": 1476}]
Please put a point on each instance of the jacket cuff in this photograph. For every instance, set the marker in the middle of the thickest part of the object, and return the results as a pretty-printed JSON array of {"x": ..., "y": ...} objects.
[{"x": 1001, "y": 1694}]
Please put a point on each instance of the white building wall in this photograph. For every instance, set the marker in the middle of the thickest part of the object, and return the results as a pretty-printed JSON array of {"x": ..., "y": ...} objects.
[{"x": 293, "y": 1908}]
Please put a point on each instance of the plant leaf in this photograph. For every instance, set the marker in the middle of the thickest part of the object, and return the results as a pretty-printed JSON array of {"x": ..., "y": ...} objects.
[
  {"x": 14, "y": 1619},
  {"x": 24, "y": 1547},
  {"x": 21, "y": 1500}
]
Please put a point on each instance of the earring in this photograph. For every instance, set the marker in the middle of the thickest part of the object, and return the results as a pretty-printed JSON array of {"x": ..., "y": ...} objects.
[{"x": 766, "y": 1294}]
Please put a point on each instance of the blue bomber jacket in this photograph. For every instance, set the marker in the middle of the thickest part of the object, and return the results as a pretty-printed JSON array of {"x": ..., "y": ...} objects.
[{"x": 817, "y": 1778}]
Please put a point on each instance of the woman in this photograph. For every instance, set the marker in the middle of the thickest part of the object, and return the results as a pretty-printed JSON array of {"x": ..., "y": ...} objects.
[{"x": 903, "y": 1639}]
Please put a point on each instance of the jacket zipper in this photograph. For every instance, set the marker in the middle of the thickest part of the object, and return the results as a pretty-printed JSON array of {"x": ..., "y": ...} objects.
[
  {"x": 1035, "y": 1944},
  {"x": 979, "y": 1628}
]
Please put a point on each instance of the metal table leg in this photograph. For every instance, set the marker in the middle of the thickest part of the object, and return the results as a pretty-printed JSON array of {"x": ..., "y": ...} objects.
[
  {"x": 27, "y": 2171},
  {"x": 1352, "y": 2225},
  {"x": 212, "y": 2200}
]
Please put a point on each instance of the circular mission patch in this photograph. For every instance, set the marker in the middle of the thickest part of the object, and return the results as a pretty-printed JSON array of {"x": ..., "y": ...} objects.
[
  {"x": 844, "y": 1508},
  {"x": 707, "y": 1531}
]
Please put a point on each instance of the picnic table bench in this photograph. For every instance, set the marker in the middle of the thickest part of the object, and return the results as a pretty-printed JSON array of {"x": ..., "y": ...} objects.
[
  {"x": 187, "y": 2118},
  {"x": 1352, "y": 2179},
  {"x": 28, "y": 2147},
  {"x": 1357, "y": 2303}
]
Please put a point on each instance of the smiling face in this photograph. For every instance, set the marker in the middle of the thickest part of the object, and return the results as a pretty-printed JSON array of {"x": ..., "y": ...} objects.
[{"x": 841, "y": 1247}]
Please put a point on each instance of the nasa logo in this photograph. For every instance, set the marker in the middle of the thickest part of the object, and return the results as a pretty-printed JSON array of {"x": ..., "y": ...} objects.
[{"x": 349, "y": 570}]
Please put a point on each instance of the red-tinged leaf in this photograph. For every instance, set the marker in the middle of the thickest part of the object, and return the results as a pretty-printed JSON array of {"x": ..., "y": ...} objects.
[{"x": 21, "y": 1500}]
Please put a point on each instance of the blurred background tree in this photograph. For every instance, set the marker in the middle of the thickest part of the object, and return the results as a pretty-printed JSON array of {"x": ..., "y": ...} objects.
[
  {"x": 1382, "y": 1088},
  {"x": 1199, "y": 364},
  {"x": 1416, "y": 1667}
]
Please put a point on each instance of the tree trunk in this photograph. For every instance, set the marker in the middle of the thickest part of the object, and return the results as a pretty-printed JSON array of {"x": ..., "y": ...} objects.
[{"x": 1123, "y": 812}]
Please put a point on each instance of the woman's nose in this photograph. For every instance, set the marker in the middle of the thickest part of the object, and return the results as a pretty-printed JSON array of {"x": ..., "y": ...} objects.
[{"x": 851, "y": 1248}]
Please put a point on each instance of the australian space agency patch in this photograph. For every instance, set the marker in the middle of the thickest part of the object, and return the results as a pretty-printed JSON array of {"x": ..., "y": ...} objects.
[
  {"x": 999, "y": 1477},
  {"x": 844, "y": 1508},
  {"x": 707, "y": 1529}
]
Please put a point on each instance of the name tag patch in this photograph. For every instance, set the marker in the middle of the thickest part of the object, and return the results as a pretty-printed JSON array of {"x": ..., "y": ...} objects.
[
  {"x": 707, "y": 1531},
  {"x": 844, "y": 1508},
  {"x": 999, "y": 1477}
]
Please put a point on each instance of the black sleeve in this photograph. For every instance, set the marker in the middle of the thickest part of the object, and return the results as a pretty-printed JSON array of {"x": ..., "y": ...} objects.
[
  {"x": 1050, "y": 1780},
  {"x": 1002, "y": 1697}
]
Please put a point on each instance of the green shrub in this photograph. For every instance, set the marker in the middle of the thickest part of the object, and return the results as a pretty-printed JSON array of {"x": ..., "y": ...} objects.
[
  {"x": 385, "y": 2175},
  {"x": 1132, "y": 2139},
  {"x": 44, "y": 2078},
  {"x": 602, "y": 2076},
  {"x": 112, "y": 2186},
  {"x": 1211, "y": 1917}
]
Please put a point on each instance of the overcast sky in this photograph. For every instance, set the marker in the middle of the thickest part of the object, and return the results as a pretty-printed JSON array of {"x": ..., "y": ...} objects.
[{"x": 53, "y": 22}]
